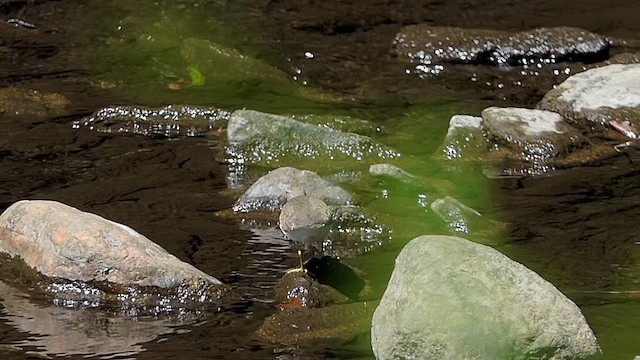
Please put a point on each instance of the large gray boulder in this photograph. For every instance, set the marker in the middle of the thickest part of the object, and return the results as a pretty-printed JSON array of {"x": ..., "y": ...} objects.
[
  {"x": 63, "y": 242},
  {"x": 597, "y": 96},
  {"x": 449, "y": 298},
  {"x": 272, "y": 140},
  {"x": 272, "y": 190},
  {"x": 430, "y": 48}
]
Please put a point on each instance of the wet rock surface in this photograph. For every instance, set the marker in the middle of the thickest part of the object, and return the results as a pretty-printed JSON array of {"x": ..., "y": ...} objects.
[
  {"x": 351, "y": 230},
  {"x": 161, "y": 122},
  {"x": 272, "y": 140},
  {"x": 342, "y": 123},
  {"x": 272, "y": 190},
  {"x": 519, "y": 142},
  {"x": 62, "y": 242},
  {"x": 391, "y": 171},
  {"x": 298, "y": 290},
  {"x": 449, "y": 298},
  {"x": 596, "y": 97},
  {"x": 531, "y": 135},
  {"x": 430, "y": 48}
]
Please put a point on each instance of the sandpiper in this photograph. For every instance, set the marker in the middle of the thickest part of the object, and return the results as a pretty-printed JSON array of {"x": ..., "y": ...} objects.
[{"x": 305, "y": 219}]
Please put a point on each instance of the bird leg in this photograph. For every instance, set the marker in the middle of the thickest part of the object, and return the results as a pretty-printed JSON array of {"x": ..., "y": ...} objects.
[{"x": 301, "y": 268}]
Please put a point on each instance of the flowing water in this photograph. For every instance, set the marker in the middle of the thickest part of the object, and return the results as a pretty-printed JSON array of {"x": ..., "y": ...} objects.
[{"x": 577, "y": 228}]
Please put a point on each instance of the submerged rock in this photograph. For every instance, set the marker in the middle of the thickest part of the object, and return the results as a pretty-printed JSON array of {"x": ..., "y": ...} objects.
[
  {"x": 429, "y": 47},
  {"x": 272, "y": 190},
  {"x": 311, "y": 311},
  {"x": 298, "y": 290},
  {"x": 463, "y": 220},
  {"x": 391, "y": 171},
  {"x": 449, "y": 298},
  {"x": 30, "y": 103},
  {"x": 341, "y": 123},
  {"x": 459, "y": 217},
  {"x": 60, "y": 241},
  {"x": 590, "y": 100},
  {"x": 272, "y": 140},
  {"x": 465, "y": 140},
  {"x": 336, "y": 323},
  {"x": 168, "y": 121},
  {"x": 222, "y": 64}
]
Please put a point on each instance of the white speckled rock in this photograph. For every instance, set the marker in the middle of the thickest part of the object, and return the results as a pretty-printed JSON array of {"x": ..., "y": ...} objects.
[
  {"x": 596, "y": 96},
  {"x": 62, "y": 241},
  {"x": 449, "y": 298}
]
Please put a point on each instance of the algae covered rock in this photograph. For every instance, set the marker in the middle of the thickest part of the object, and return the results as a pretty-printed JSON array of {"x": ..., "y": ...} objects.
[
  {"x": 449, "y": 298},
  {"x": 391, "y": 171},
  {"x": 223, "y": 64},
  {"x": 342, "y": 123},
  {"x": 272, "y": 140},
  {"x": 465, "y": 140},
  {"x": 595, "y": 97},
  {"x": 60, "y": 241}
]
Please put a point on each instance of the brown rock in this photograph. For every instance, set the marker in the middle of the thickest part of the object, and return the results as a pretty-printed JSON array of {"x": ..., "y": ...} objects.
[{"x": 24, "y": 102}]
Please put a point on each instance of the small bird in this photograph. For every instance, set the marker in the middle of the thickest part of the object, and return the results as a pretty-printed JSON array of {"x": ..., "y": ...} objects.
[{"x": 305, "y": 219}]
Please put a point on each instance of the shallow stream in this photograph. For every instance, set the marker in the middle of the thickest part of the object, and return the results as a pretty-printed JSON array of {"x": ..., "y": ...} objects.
[{"x": 577, "y": 227}]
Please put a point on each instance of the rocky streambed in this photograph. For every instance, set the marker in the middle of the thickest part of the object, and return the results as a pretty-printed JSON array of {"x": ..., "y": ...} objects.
[{"x": 196, "y": 141}]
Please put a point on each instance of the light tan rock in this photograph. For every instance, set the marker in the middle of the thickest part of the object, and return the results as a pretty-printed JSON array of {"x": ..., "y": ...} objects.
[{"x": 62, "y": 241}]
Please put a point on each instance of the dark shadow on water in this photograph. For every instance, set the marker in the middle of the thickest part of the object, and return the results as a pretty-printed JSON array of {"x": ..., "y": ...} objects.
[{"x": 330, "y": 271}]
